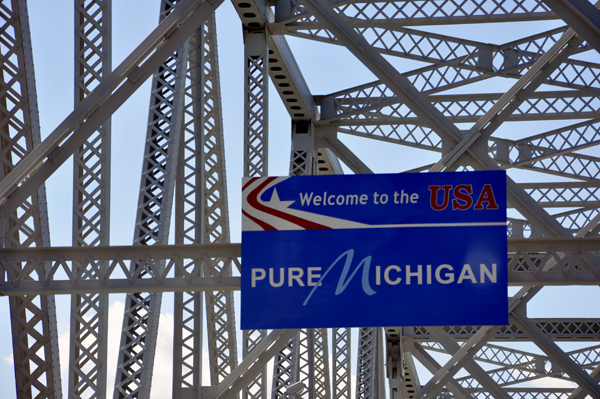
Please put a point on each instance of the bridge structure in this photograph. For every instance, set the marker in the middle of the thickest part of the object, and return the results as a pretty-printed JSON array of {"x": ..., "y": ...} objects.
[{"x": 553, "y": 228}]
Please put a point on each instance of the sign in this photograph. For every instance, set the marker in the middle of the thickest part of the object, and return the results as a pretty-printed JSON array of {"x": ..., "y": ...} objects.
[{"x": 374, "y": 250}]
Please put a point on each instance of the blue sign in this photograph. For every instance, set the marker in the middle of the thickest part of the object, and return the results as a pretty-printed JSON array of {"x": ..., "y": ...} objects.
[{"x": 412, "y": 249}]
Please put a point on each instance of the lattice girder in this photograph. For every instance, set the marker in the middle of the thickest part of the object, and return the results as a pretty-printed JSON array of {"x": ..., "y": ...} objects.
[
  {"x": 141, "y": 314},
  {"x": 91, "y": 201},
  {"x": 33, "y": 318},
  {"x": 361, "y": 13}
]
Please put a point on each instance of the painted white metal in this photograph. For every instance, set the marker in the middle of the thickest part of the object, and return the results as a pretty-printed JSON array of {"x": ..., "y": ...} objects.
[
  {"x": 408, "y": 108},
  {"x": 32, "y": 316},
  {"x": 256, "y": 104},
  {"x": 91, "y": 203},
  {"x": 142, "y": 310}
]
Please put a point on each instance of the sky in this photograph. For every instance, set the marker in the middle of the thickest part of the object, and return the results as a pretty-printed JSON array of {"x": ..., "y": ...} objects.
[{"x": 133, "y": 20}]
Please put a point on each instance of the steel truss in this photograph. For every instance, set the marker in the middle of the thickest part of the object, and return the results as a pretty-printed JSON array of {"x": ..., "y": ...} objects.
[
  {"x": 553, "y": 229},
  {"x": 32, "y": 316},
  {"x": 91, "y": 203}
]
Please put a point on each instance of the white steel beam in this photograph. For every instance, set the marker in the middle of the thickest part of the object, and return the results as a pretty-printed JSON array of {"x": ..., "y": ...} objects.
[
  {"x": 341, "y": 354},
  {"x": 253, "y": 364},
  {"x": 393, "y": 14},
  {"x": 433, "y": 366},
  {"x": 513, "y": 98},
  {"x": 188, "y": 307},
  {"x": 398, "y": 83},
  {"x": 285, "y": 367},
  {"x": 473, "y": 368},
  {"x": 529, "y": 263},
  {"x": 103, "y": 101},
  {"x": 91, "y": 202},
  {"x": 256, "y": 103},
  {"x": 369, "y": 364},
  {"x": 554, "y": 352},
  {"x": 345, "y": 155},
  {"x": 302, "y": 159},
  {"x": 161, "y": 155},
  {"x": 33, "y": 316},
  {"x": 220, "y": 315},
  {"x": 582, "y": 16}
]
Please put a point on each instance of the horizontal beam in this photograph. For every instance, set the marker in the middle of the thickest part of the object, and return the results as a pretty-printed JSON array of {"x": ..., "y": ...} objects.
[
  {"x": 104, "y": 100},
  {"x": 430, "y": 12},
  {"x": 125, "y": 252},
  {"x": 119, "y": 286},
  {"x": 559, "y": 244},
  {"x": 76, "y": 270},
  {"x": 558, "y": 329}
]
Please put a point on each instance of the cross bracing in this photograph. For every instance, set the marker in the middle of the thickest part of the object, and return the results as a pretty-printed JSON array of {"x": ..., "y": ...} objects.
[{"x": 445, "y": 100}]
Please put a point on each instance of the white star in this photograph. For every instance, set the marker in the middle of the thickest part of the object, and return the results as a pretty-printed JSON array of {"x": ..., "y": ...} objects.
[{"x": 275, "y": 202}]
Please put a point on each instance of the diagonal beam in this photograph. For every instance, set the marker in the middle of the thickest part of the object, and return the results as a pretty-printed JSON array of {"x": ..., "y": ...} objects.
[
  {"x": 473, "y": 368},
  {"x": 423, "y": 108},
  {"x": 458, "y": 360},
  {"x": 555, "y": 353},
  {"x": 253, "y": 363},
  {"x": 466, "y": 352},
  {"x": 346, "y": 155},
  {"x": 373, "y": 60},
  {"x": 433, "y": 366},
  {"x": 579, "y": 393},
  {"x": 88, "y": 116},
  {"x": 510, "y": 101},
  {"x": 582, "y": 16}
]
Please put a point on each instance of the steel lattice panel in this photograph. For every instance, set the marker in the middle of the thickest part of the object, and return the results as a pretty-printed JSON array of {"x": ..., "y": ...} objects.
[{"x": 439, "y": 107}]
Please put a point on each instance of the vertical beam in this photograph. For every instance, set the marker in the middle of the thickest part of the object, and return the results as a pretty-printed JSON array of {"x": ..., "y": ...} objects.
[
  {"x": 256, "y": 103},
  {"x": 33, "y": 318},
  {"x": 202, "y": 217},
  {"x": 220, "y": 319},
  {"x": 301, "y": 350},
  {"x": 257, "y": 388},
  {"x": 91, "y": 202},
  {"x": 321, "y": 364},
  {"x": 285, "y": 368},
  {"x": 302, "y": 162},
  {"x": 142, "y": 310},
  {"x": 310, "y": 363},
  {"x": 304, "y": 361},
  {"x": 188, "y": 311},
  {"x": 341, "y": 363},
  {"x": 256, "y": 154},
  {"x": 369, "y": 364}
]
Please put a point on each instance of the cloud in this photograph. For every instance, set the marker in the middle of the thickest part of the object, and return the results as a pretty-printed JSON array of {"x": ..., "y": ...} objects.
[
  {"x": 163, "y": 363},
  {"x": 549, "y": 382},
  {"x": 8, "y": 359},
  {"x": 162, "y": 376}
]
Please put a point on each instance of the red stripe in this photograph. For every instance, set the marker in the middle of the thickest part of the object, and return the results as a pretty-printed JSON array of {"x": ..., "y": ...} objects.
[
  {"x": 253, "y": 201},
  {"x": 262, "y": 224},
  {"x": 249, "y": 182}
]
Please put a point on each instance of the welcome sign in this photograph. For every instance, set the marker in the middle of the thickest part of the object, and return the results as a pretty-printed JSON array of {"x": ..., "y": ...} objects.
[{"x": 374, "y": 250}]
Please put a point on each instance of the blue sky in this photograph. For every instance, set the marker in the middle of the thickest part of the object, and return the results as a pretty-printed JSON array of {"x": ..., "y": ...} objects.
[{"x": 326, "y": 69}]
